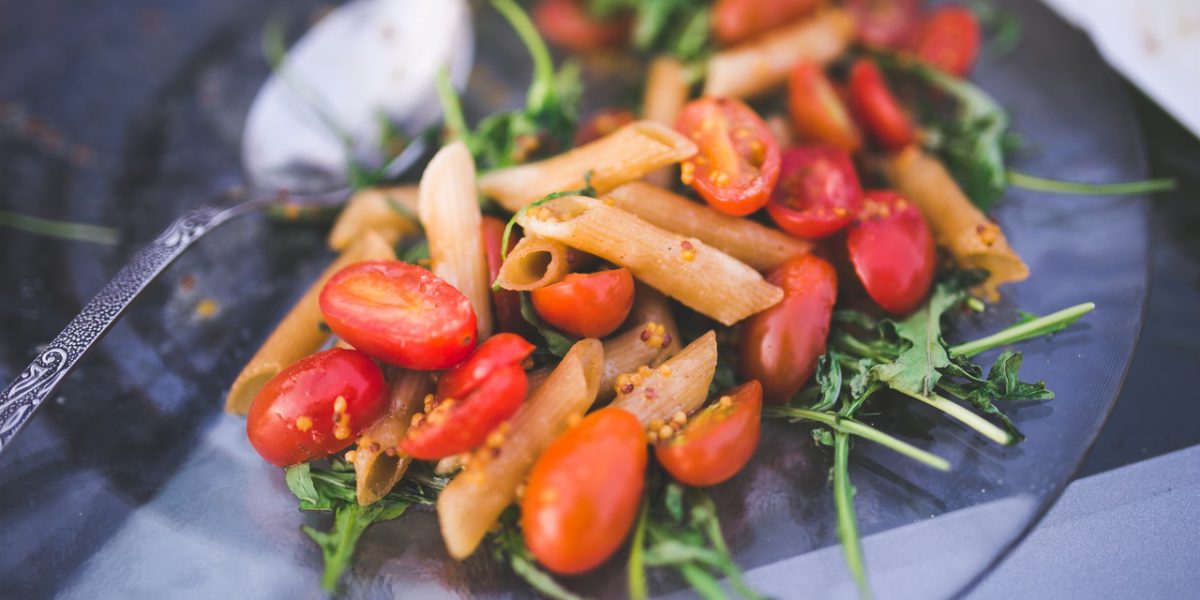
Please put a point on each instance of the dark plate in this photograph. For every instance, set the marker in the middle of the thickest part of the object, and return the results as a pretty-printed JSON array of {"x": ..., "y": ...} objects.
[{"x": 133, "y": 483}]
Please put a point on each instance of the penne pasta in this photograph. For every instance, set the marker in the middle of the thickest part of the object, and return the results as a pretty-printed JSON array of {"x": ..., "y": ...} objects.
[
  {"x": 666, "y": 92},
  {"x": 389, "y": 211},
  {"x": 640, "y": 345},
  {"x": 751, "y": 242},
  {"x": 698, "y": 275},
  {"x": 533, "y": 263},
  {"x": 958, "y": 225},
  {"x": 764, "y": 62},
  {"x": 679, "y": 384},
  {"x": 377, "y": 463},
  {"x": 469, "y": 506},
  {"x": 300, "y": 333},
  {"x": 651, "y": 306},
  {"x": 448, "y": 207},
  {"x": 624, "y": 155}
]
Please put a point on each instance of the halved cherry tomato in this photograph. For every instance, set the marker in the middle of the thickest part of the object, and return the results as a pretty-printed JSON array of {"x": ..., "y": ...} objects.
[
  {"x": 316, "y": 407},
  {"x": 892, "y": 251},
  {"x": 583, "y": 492},
  {"x": 736, "y": 20},
  {"x": 602, "y": 123},
  {"x": 507, "y": 303},
  {"x": 948, "y": 39},
  {"x": 400, "y": 314},
  {"x": 781, "y": 345},
  {"x": 885, "y": 23},
  {"x": 716, "y": 442},
  {"x": 818, "y": 113},
  {"x": 738, "y": 162},
  {"x": 568, "y": 24},
  {"x": 587, "y": 305},
  {"x": 876, "y": 107},
  {"x": 473, "y": 399},
  {"x": 818, "y": 192}
]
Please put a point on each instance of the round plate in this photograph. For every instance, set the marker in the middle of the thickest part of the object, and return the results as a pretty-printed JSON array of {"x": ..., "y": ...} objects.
[{"x": 132, "y": 482}]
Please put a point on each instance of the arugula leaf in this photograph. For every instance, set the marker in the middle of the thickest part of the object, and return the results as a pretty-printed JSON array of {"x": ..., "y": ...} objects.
[
  {"x": 1003, "y": 383},
  {"x": 917, "y": 368},
  {"x": 509, "y": 546},
  {"x": 556, "y": 343},
  {"x": 349, "y": 522},
  {"x": 677, "y": 27},
  {"x": 60, "y": 229},
  {"x": 1042, "y": 184},
  {"x": 416, "y": 253}
]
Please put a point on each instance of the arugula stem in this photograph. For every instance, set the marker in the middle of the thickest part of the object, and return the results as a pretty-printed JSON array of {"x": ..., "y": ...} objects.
[
  {"x": 1024, "y": 331},
  {"x": 637, "y": 552},
  {"x": 847, "y": 522},
  {"x": 849, "y": 426},
  {"x": 541, "y": 89},
  {"x": 983, "y": 426},
  {"x": 452, "y": 112},
  {"x": 1043, "y": 184},
  {"x": 60, "y": 229}
]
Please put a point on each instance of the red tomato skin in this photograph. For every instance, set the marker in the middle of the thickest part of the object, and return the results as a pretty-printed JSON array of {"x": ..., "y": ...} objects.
[
  {"x": 590, "y": 305},
  {"x": 292, "y": 418},
  {"x": 737, "y": 20},
  {"x": 500, "y": 350},
  {"x": 467, "y": 424},
  {"x": 583, "y": 493},
  {"x": 715, "y": 124},
  {"x": 602, "y": 123},
  {"x": 892, "y": 251},
  {"x": 400, "y": 314},
  {"x": 948, "y": 39},
  {"x": 567, "y": 23},
  {"x": 781, "y": 345},
  {"x": 877, "y": 108},
  {"x": 818, "y": 112},
  {"x": 818, "y": 193},
  {"x": 507, "y": 303},
  {"x": 885, "y": 23},
  {"x": 716, "y": 442}
]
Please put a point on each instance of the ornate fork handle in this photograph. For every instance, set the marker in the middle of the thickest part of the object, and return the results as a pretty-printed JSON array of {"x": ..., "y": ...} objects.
[{"x": 21, "y": 398}]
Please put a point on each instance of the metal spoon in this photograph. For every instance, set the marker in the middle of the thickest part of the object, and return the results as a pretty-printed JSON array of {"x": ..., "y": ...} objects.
[{"x": 366, "y": 60}]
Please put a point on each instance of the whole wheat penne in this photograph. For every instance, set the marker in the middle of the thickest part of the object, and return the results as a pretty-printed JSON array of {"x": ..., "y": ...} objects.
[
  {"x": 299, "y": 333},
  {"x": 640, "y": 345},
  {"x": 699, "y": 275},
  {"x": 680, "y": 384},
  {"x": 763, "y": 62},
  {"x": 448, "y": 207},
  {"x": 533, "y": 263},
  {"x": 471, "y": 503},
  {"x": 666, "y": 93},
  {"x": 624, "y": 155},
  {"x": 753, "y": 243},
  {"x": 390, "y": 211},
  {"x": 958, "y": 225},
  {"x": 651, "y": 306},
  {"x": 377, "y": 463}
]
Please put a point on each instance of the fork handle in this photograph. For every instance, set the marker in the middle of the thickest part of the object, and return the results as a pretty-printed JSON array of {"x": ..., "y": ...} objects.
[{"x": 42, "y": 377}]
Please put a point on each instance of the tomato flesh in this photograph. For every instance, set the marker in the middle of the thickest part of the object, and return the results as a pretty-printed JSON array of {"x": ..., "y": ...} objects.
[
  {"x": 567, "y": 23},
  {"x": 602, "y": 123},
  {"x": 716, "y": 442},
  {"x": 738, "y": 160},
  {"x": 818, "y": 192},
  {"x": 877, "y": 108},
  {"x": 400, "y": 314},
  {"x": 885, "y": 23},
  {"x": 583, "y": 493},
  {"x": 507, "y": 303},
  {"x": 818, "y": 113},
  {"x": 892, "y": 251},
  {"x": 948, "y": 39},
  {"x": 316, "y": 407},
  {"x": 587, "y": 305},
  {"x": 737, "y": 20},
  {"x": 781, "y": 345},
  {"x": 473, "y": 399}
]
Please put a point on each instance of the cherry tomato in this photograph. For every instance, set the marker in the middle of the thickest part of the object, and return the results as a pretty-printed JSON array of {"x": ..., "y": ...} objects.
[
  {"x": 601, "y": 124},
  {"x": 738, "y": 159},
  {"x": 876, "y": 107},
  {"x": 716, "y": 442},
  {"x": 818, "y": 113},
  {"x": 885, "y": 23},
  {"x": 587, "y": 305},
  {"x": 473, "y": 399},
  {"x": 399, "y": 313},
  {"x": 818, "y": 192},
  {"x": 568, "y": 24},
  {"x": 316, "y": 407},
  {"x": 892, "y": 251},
  {"x": 583, "y": 493},
  {"x": 736, "y": 20},
  {"x": 948, "y": 39},
  {"x": 781, "y": 345},
  {"x": 507, "y": 303}
]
